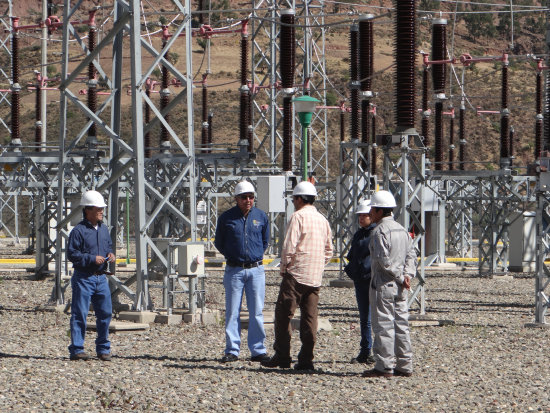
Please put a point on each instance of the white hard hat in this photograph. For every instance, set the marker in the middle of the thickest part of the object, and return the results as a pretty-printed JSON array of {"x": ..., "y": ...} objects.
[
  {"x": 304, "y": 188},
  {"x": 92, "y": 198},
  {"x": 244, "y": 187},
  {"x": 363, "y": 207},
  {"x": 383, "y": 199}
]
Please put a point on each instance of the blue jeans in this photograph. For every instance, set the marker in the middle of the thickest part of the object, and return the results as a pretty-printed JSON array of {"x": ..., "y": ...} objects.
[
  {"x": 94, "y": 288},
  {"x": 252, "y": 281},
  {"x": 362, "y": 294}
]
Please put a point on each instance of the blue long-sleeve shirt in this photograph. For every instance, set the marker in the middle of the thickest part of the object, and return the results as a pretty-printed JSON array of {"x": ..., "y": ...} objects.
[
  {"x": 242, "y": 239},
  {"x": 85, "y": 243}
]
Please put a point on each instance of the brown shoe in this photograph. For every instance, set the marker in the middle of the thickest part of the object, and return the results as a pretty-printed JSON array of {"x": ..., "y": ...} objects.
[
  {"x": 80, "y": 356},
  {"x": 376, "y": 373},
  {"x": 104, "y": 356},
  {"x": 277, "y": 361},
  {"x": 402, "y": 373}
]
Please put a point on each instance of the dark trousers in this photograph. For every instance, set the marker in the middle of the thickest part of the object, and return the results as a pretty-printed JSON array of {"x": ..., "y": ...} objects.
[
  {"x": 292, "y": 295},
  {"x": 362, "y": 294}
]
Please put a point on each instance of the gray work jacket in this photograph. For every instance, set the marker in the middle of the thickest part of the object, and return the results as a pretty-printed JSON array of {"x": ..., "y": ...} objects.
[{"x": 392, "y": 253}]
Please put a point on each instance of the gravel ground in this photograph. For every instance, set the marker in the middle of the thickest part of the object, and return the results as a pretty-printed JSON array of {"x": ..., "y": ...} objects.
[{"x": 486, "y": 361}]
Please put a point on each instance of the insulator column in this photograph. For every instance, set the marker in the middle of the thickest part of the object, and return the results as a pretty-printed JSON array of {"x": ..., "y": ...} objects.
[
  {"x": 342, "y": 125},
  {"x": 425, "y": 109},
  {"x": 15, "y": 87},
  {"x": 504, "y": 118},
  {"x": 539, "y": 118},
  {"x": 204, "y": 129},
  {"x": 287, "y": 56},
  {"x": 244, "y": 114},
  {"x": 366, "y": 70},
  {"x": 91, "y": 141},
  {"x": 461, "y": 135},
  {"x": 405, "y": 56},
  {"x": 37, "y": 116},
  {"x": 164, "y": 99},
  {"x": 354, "y": 80},
  {"x": 546, "y": 114},
  {"x": 200, "y": 6},
  {"x": 451, "y": 140},
  {"x": 439, "y": 74},
  {"x": 373, "y": 133},
  {"x": 511, "y": 149},
  {"x": 210, "y": 117}
]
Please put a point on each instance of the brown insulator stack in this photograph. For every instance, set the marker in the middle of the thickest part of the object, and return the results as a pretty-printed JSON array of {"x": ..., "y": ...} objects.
[
  {"x": 200, "y": 6},
  {"x": 244, "y": 114},
  {"x": 15, "y": 87},
  {"x": 92, "y": 87},
  {"x": 425, "y": 109},
  {"x": 405, "y": 64},
  {"x": 504, "y": 118},
  {"x": 204, "y": 129},
  {"x": 539, "y": 117},
  {"x": 439, "y": 73},
  {"x": 354, "y": 80},
  {"x": 462, "y": 135},
  {"x": 366, "y": 70},
  {"x": 164, "y": 100},
  {"x": 37, "y": 114},
  {"x": 147, "y": 119},
  {"x": 546, "y": 114},
  {"x": 452, "y": 140},
  {"x": 287, "y": 56}
]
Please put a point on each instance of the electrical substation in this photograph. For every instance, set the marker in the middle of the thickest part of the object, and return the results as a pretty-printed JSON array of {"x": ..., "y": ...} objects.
[{"x": 166, "y": 186}]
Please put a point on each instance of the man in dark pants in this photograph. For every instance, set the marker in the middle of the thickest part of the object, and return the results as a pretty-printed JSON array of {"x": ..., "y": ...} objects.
[
  {"x": 358, "y": 269},
  {"x": 242, "y": 236},
  {"x": 306, "y": 250},
  {"x": 90, "y": 251}
]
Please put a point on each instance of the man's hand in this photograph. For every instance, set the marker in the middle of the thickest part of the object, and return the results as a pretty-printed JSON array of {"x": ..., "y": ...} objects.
[
  {"x": 407, "y": 282},
  {"x": 111, "y": 257},
  {"x": 99, "y": 259}
]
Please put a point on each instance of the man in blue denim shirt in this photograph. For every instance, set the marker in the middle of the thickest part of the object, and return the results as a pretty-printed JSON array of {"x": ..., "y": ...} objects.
[
  {"x": 90, "y": 251},
  {"x": 242, "y": 236}
]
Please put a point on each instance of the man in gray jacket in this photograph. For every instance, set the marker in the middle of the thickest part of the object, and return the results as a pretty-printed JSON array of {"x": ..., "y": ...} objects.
[{"x": 393, "y": 261}]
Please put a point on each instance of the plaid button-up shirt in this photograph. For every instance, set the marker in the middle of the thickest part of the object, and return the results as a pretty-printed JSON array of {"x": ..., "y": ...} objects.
[{"x": 307, "y": 246}]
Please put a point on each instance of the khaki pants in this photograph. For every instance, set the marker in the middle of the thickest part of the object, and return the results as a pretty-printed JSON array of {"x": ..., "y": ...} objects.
[
  {"x": 390, "y": 326},
  {"x": 292, "y": 295}
]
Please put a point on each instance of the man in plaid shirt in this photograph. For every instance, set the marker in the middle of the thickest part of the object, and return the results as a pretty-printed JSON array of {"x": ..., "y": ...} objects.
[{"x": 306, "y": 250}]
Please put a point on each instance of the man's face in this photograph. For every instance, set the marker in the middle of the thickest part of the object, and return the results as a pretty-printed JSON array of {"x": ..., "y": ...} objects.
[
  {"x": 245, "y": 202},
  {"x": 375, "y": 214},
  {"x": 94, "y": 214}
]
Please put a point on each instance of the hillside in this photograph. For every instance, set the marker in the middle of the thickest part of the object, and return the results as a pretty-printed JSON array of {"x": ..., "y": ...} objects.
[{"x": 482, "y": 81}]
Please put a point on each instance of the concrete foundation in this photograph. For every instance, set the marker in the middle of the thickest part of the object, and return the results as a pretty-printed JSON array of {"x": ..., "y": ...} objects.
[
  {"x": 138, "y": 316},
  {"x": 208, "y": 317},
  {"x": 170, "y": 319},
  {"x": 120, "y": 326}
]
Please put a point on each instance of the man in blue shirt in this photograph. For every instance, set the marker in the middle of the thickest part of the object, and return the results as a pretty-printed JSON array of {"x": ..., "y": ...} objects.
[
  {"x": 90, "y": 251},
  {"x": 242, "y": 236}
]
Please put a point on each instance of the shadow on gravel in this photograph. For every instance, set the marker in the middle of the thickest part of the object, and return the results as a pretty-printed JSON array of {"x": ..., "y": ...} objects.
[
  {"x": 263, "y": 370},
  {"x": 22, "y": 356},
  {"x": 164, "y": 358}
]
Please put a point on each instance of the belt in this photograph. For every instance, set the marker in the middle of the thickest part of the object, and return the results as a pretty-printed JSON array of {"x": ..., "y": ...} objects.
[{"x": 244, "y": 264}]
